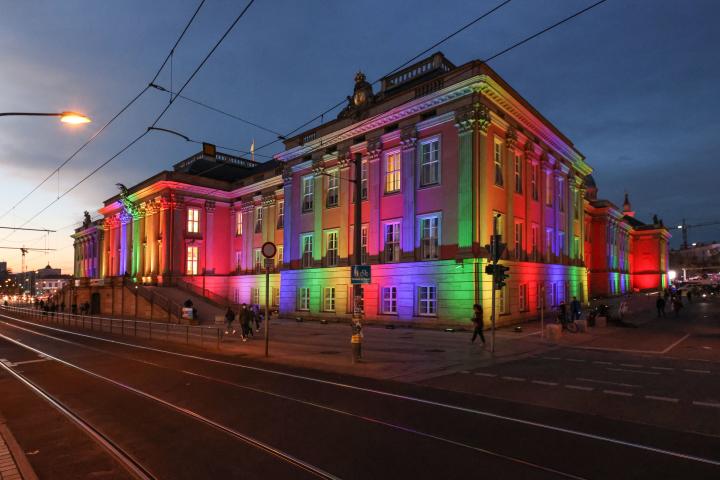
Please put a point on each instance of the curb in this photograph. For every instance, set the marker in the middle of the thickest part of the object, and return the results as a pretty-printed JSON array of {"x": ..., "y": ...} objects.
[{"x": 17, "y": 453}]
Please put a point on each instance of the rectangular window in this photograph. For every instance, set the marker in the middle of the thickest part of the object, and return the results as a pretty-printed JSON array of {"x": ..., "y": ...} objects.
[
  {"x": 192, "y": 260},
  {"x": 308, "y": 193},
  {"x": 329, "y": 299},
  {"x": 275, "y": 296},
  {"x": 533, "y": 181},
  {"x": 392, "y": 172},
  {"x": 258, "y": 259},
  {"x": 389, "y": 300},
  {"x": 427, "y": 300},
  {"x": 503, "y": 300},
  {"x": 498, "y": 159},
  {"x": 259, "y": 214},
  {"x": 576, "y": 247},
  {"x": 307, "y": 250},
  {"x": 238, "y": 223},
  {"x": 238, "y": 259},
  {"x": 279, "y": 257},
  {"x": 331, "y": 249},
  {"x": 548, "y": 188},
  {"x": 392, "y": 242},
  {"x": 430, "y": 162},
  {"x": 364, "y": 180},
  {"x": 548, "y": 245},
  {"x": 522, "y": 298},
  {"x": 304, "y": 298},
  {"x": 333, "y": 188},
  {"x": 429, "y": 238},
  {"x": 518, "y": 174},
  {"x": 518, "y": 241},
  {"x": 364, "y": 245},
  {"x": 500, "y": 222},
  {"x": 561, "y": 194},
  {"x": 280, "y": 215},
  {"x": 534, "y": 246},
  {"x": 193, "y": 220},
  {"x": 236, "y": 295},
  {"x": 255, "y": 295},
  {"x": 561, "y": 243}
]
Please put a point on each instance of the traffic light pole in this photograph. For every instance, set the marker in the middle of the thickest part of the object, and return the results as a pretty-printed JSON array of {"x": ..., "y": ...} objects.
[{"x": 494, "y": 249}]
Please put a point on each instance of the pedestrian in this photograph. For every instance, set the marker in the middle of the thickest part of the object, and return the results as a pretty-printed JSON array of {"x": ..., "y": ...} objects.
[
  {"x": 188, "y": 303},
  {"x": 478, "y": 322},
  {"x": 677, "y": 305},
  {"x": 257, "y": 318},
  {"x": 86, "y": 305},
  {"x": 623, "y": 309},
  {"x": 689, "y": 296},
  {"x": 229, "y": 318},
  {"x": 245, "y": 318},
  {"x": 562, "y": 313},
  {"x": 62, "y": 307},
  {"x": 575, "y": 309},
  {"x": 660, "y": 305}
]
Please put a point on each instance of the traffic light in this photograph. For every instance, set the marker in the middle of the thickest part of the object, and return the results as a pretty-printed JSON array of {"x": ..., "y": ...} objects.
[
  {"x": 490, "y": 269},
  {"x": 500, "y": 276}
]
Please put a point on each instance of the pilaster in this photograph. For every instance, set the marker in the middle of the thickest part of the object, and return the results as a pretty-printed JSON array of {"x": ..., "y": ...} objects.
[{"x": 408, "y": 158}]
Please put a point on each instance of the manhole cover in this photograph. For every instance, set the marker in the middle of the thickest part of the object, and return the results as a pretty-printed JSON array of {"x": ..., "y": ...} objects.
[
  {"x": 434, "y": 350},
  {"x": 329, "y": 352}
]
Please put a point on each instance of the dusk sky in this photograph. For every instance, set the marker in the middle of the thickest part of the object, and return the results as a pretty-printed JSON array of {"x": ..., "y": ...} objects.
[{"x": 631, "y": 83}]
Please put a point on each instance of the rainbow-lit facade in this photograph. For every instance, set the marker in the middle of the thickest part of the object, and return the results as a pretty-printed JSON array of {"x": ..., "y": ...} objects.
[{"x": 443, "y": 150}]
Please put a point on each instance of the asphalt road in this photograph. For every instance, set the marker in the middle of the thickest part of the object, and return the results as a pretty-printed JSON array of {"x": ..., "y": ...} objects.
[{"x": 190, "y": 414}]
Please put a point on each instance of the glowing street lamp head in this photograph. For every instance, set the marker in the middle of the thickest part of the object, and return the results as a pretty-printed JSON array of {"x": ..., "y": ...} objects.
[{"x": 74, "y": 118}]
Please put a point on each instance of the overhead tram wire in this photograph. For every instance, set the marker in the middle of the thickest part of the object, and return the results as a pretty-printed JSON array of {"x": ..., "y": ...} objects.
[
  {"x": 188, "y": 139},
  {"x": 435, "y": 45},
  {"x": 488, "y": 59},
  {"x": 112, "y": 120},
  {"x": 157, "y": 119}
]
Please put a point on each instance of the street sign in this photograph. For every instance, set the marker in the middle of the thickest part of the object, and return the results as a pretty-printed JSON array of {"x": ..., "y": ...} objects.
[
  {"x": 269, "y": 249},
  {"x": 269, "y": 263},
  {"x": 360, "y": 274}
]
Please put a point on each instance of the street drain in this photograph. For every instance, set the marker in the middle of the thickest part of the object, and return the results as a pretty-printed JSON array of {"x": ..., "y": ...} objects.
[
  {"x": 329, "y": 352},
  {"x": 435, "y": 350}
]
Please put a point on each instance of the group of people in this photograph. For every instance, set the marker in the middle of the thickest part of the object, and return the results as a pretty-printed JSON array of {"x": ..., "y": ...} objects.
[
  {"x": 248, "y": 316},
  {"x": 51, "y": 307},
  {"x": 672, "y": 298}
]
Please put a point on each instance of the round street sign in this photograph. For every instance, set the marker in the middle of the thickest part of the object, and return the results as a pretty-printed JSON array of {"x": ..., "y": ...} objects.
[{"x": 269, "y": 249}]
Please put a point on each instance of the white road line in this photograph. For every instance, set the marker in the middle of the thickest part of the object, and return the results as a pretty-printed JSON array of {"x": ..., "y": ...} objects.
[
  {"x": 423, "y": 401},
  {"x": 707, "y": 404},
  {"x": 598, "y": 362},
  {"x": 675, "y": 344},
  {"x": 615, "y": 392},
  {"x": 668, "y": 369},
  {"x": 514, "y": 379},
  {"x": 618, "y": 384},
  {"x": 483, "y": 374},
  {"x": 662, "y": 399},
  {"x": 632, "y": 371},
  {"x": 28, "y": 361},
  {"x": 578, "y": 360},
  {"x": 464, "y": 371},
  {"x": 631, "y": 365},
  {"x": 580, "y": 387},
  {"x": 553, "y": 358},
  {"x": 542, "y": 382},
  {"x": 690, "y": 370}
]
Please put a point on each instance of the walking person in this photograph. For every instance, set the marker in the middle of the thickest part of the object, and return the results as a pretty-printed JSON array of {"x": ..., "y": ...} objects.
[
  {"x": 257, "y": 317},
  {"x": 575, "y": 309},
  {"x": 677, "y": 305},
  {"x": 229, "y": 319},
  {"x": 660, "y": 305},
  {"x": 245, "y": 318},
  {"x": 623, "y": 309},
  {"x": 478, "y": 322}
]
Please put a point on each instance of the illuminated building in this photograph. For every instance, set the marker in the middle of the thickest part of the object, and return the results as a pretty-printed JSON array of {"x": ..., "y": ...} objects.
[{"x": 444, "y": 148}]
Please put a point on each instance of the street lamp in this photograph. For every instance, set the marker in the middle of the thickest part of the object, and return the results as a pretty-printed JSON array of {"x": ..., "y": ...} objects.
[{"x": 72, "y": 118}]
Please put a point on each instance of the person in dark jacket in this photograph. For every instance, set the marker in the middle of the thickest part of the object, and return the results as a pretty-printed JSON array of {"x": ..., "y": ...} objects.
[
  {"x": 575, "y": 309},
  {"x": 478, "y": 322},
  {"x": 660, "y": 305},
  {"x": 229, "y": 319},
  {"x": 245, "y": 319}
]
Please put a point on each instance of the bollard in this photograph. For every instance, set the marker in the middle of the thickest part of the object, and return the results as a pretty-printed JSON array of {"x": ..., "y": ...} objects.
[
  {"x": 187, "y": 334},
  {"x": 356, "y": 341}
]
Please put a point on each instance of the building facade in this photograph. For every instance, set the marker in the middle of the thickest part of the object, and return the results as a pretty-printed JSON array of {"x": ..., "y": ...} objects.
[{"x": 444, "y": 151}]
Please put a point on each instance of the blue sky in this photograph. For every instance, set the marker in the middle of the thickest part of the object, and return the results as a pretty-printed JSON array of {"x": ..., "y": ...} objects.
[{"x": 632, "y": 83}]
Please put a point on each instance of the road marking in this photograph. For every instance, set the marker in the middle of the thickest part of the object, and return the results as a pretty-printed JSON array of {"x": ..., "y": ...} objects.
[
  {"x": 662, "y": 399},
  {"x": 675, "y": 344},
  {"x": 615, "y": 392},
  {"x": 28, "y": 361},
  {"x": 553, "y": 358},
  {"x": 630, "y": 350},
  {"x": 542, "y": 382},
  {"x": 598, "y": 362},
  {"x": 514, "y": 379},
  {"x": 632, "y": 371},
  {"x": 580, "y": 387},
  {"x": 419, "y": 400},
  {"x": 578, "y": 360},
  {"x": 618, "y": 384},
  {"x": 668, "y": 369},
  {"x": 464, "y": 371},
  {"x": 707, "y": 404},
  {"x": 631, "y": 365},
  {"x": 690, "y": 370},
  {"x": 483, "y": 374}
]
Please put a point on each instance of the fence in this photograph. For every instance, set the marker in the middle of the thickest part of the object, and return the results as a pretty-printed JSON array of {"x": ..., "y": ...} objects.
[{"x": 169, "y": 332}]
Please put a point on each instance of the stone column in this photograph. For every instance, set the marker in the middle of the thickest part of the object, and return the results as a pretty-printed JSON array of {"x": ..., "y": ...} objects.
[
  {"x": 346, "y": 205},
  {"x": 178, "y": 224},
  {"x": 209, "y": 254},
  {"x": 529, "y": 163},
  {"x": 290, "y": 247},
  {"x": 375, "y": 192},
  {"x": 99, "y": 258},
  {"x": 318, "y": 207},
  {"x": 510, "y": 143},
  {"x": 483, "y": 215},
  {"x": 545, "y": 170},
  {"x": 165, "y": 236},
  {"x": 270, "y": 217},
  {"x": 465, "y": 122},
  {"x": 408, "y": 159},
  {"x": 248, "y": 211},
  {"x": 572, "y": 198}
]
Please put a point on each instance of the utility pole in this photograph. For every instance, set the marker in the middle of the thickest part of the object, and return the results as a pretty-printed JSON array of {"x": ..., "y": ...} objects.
[{"x": 498, "y": 273}]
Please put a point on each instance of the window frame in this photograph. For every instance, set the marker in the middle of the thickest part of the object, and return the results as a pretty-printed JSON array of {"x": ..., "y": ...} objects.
[
  {"x": 534, "y": 181},
  {"x": 307, "y": 198},
  {"x": 238, "y": 224},
  {"x": 332, "y": 299},
  {"x": 428, "y": 301},
  {"x": 304, "y": 252},
  {"x": 280, "y": 222},
  {"x": 437, "y": 216},
  {"x": 192, "y": 257},
  {"x": 332, "y": 188},
  {"x": 396, "y": 172},
  {"x": 385, "y": 225},
  {"x": 498, "y": 163},
  {"x": 423, "y": 183},
  {"x": 193, "y": 220},
  {"x": 303, "y": 299},
  {"x": 518, "y": 240},
  {"x": 518, "y": 171},
  {"x": 336, "y": 256},
  {"x": 392, "y": 299},
  {"x": 259, "y": 218},
  {"x": 523, "y": 304}
]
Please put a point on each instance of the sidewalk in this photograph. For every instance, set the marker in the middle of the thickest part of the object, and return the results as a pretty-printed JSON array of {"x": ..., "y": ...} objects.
[{"x": 13, "y": 462}]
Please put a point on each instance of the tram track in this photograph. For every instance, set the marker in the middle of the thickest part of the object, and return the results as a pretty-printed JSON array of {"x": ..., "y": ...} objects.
[{"x": 330, "y": 409}]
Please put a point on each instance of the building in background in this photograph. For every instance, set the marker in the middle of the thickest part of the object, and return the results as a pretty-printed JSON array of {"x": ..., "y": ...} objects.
[{"x": 444, "y": 150}]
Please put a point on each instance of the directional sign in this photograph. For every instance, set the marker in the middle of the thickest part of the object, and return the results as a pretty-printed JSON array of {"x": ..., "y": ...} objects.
[{"x": 360, "y": 274}]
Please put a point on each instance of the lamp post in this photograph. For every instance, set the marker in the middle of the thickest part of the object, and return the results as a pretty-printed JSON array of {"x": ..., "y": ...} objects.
[{"x": 72, "y": 118}]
